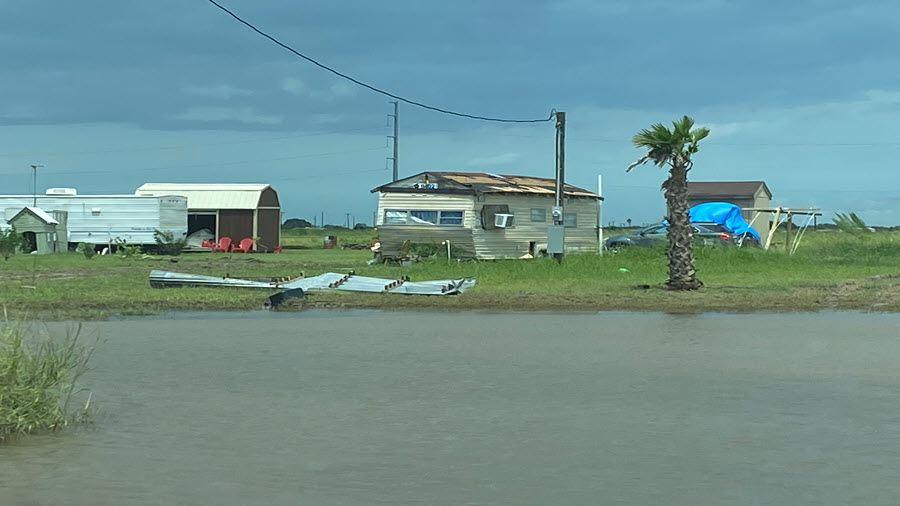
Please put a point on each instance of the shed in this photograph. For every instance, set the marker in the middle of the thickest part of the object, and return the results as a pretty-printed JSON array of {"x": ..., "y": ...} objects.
[
  {"x": 744, "y": 194},
  {"x": 740, "y": 193},
  {"x": 483, "y": 215},
  {"x": 237, "y": 211},
  {"x": 42, "y": 232}
]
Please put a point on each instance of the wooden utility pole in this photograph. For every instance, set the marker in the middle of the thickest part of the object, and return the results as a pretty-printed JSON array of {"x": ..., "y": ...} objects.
[
  {"x": 556, "y": 233},
  {"x": 394, "y": 138}
]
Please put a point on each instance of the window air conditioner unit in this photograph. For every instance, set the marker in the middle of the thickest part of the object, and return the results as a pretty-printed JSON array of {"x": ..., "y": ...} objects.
[{"x": 504, "y": 220}]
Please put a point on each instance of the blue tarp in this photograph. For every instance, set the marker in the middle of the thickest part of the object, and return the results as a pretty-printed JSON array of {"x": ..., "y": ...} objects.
[{"x": 723, "y": 213}]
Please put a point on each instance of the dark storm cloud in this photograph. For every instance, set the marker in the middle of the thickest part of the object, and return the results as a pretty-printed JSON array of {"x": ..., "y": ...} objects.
[{"x": 148, "y": 62}]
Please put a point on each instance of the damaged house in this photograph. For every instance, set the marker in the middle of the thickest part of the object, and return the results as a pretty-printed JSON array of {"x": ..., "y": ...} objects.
[{"x": 485, "y": 216}]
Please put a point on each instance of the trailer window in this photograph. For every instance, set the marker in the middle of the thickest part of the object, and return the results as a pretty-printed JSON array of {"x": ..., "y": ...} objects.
[{"x": 422, "y": 217}]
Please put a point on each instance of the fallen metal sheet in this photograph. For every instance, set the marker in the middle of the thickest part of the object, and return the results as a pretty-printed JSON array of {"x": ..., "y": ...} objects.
[{"x": 328, "y": 281}]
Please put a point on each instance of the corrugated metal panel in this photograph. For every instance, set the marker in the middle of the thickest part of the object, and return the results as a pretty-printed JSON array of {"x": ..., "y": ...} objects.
[
  {"x": 482, "y": 182},
  {"x": 210, "y": 196}
]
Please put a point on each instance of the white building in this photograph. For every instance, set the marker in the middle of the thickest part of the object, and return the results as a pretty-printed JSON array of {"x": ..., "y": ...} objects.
[{"x": 482, "y": 215}]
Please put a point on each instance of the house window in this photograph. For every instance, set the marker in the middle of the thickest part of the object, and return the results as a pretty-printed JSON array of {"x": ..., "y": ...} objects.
[
  {"x": 422, "y": 217},
  {"x": 570, "y": 220},
  {"x": 451, "y": 218},
  {"x": 538, "y": 214},
  {"x": 395, "y": 217}
]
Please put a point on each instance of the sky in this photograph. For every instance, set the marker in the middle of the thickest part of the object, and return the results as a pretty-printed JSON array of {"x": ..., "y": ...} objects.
[{"x": 108, "y": 95}]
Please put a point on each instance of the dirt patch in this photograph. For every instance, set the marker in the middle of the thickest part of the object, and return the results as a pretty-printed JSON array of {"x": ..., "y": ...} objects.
[{"x": 877, "y": 292}]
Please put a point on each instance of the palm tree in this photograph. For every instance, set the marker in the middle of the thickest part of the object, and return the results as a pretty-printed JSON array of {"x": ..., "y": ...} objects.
[{"x": 673, "y": 148}]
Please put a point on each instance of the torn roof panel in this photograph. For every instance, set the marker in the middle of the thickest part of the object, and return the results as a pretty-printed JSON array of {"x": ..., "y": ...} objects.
[{"x": 481, "y": 182}]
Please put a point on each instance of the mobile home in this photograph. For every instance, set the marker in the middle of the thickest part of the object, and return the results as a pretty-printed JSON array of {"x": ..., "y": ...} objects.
[
  {"x": 100, "y": 219},
  {"x": 485, "y": 216}
]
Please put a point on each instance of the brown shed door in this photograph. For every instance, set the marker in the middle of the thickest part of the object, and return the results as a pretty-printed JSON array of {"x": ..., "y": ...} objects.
[
  {"x": 236, "y": 224},
  {"x": 269, "y": 223}
]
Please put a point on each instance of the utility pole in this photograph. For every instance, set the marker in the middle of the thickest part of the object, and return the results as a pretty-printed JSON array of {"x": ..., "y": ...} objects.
[
  {"x": 556, "y": 233},
  {"x": 323, "y": 219},
  {"x": 34, "y": 168},
  {"x": 394, "y": 138}
]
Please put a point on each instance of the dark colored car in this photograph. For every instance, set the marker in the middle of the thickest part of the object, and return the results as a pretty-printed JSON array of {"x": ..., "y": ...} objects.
[{"x": 705, "y": 234}]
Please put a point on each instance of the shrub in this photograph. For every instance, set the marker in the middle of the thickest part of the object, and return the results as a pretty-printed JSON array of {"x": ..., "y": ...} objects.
[
  {"x": 9, "y": 241},
  {"x": 125, "y": 250},
  {"x": 167, "y": 244},
  {"x": 88, "y": 249},
  {"x": 37, "y": 379}
]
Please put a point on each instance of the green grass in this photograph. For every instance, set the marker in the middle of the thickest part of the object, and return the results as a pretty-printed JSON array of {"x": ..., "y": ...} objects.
[
  {"x": 38, "y": 374},
  {"x": 313, "y": 237},
  {"x": 830, "y": 270}
]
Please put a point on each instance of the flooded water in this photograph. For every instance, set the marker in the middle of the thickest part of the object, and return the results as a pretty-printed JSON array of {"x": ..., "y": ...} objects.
[{"x": 422, "y": 408}]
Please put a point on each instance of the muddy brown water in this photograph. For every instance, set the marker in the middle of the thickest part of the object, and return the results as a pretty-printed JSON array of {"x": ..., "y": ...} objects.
[{"x": 366, "y": 407}]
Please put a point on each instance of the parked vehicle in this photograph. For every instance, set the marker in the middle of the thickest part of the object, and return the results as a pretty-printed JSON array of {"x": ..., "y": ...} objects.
[{"x": 705, "y": 234}]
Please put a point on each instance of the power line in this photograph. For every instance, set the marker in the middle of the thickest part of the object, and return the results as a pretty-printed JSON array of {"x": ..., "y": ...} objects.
[
  {"x": 709, "y": 143},
  {"x": 368, "y": 86}
]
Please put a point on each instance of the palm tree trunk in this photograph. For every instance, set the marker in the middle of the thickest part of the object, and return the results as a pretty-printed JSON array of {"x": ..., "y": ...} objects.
[{"x": 682, "y": 274}]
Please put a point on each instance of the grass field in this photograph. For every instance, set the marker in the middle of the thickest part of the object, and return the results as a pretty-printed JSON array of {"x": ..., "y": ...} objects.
[
  {"x": 830, "y": 270},
  {"x": 314, "y": 237}
]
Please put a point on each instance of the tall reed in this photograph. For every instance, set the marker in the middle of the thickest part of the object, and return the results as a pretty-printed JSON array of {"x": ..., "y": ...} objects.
[{"x": 38, "y": 376}]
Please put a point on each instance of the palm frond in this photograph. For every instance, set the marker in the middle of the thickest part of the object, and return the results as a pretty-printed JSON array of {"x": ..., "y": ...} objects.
[
  {"x": 699, "y": 134},
  {"x": 682, "y": 128},
  {"x": 652, "y": 137},
  {"x": 851, "y": 224},
  {"x": 640, "y": 161}
]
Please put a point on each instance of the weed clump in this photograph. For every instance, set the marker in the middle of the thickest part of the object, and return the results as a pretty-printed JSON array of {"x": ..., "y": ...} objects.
[
  {"x": 38, "y": 375},
  {"x": 167, "y": 244}
]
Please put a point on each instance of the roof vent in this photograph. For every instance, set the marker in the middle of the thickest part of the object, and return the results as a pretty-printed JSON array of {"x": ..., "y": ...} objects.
[{"x": 61, "y": 191}]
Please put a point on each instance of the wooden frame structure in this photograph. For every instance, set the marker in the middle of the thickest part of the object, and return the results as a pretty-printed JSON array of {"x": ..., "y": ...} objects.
[{"x": 788, "y": 213}]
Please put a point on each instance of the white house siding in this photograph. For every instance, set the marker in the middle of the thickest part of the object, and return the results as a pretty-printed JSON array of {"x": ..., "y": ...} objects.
[
  {"x": 486, "y": 244},
  {"x": 515, "y": 242},
  {"x": 393, "y": 236}
]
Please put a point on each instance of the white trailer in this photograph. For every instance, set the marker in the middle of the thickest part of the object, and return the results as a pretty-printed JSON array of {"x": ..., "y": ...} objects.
[{"x": 100, "y": 219}]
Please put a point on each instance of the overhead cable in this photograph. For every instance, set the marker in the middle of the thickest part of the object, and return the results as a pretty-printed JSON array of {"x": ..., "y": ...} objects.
[{"x": 373, "y": 88}]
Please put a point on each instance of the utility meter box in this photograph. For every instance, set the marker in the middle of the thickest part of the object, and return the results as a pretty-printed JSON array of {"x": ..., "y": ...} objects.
[
  {"x": 557, "y": 213},
  {"x": 556, "y": 239}
]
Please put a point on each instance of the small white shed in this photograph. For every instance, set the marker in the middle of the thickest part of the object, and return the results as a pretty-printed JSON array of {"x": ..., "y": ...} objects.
[{"x": 42, "y": 232}]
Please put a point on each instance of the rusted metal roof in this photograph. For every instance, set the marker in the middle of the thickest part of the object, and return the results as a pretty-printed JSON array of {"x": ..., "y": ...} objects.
[
  {"x": 480, "y": 182},
  {"x": 734, "y": 189}
]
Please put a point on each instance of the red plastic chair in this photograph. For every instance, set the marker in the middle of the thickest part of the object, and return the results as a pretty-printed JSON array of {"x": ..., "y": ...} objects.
[
  {"x": 224, "y": 244},
  {"x": 211, "y": 245},
  {"x": 244, "y": 246}
]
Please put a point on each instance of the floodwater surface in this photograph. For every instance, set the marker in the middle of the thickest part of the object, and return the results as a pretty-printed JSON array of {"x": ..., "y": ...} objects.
[{"x": 472, "y": 408}]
